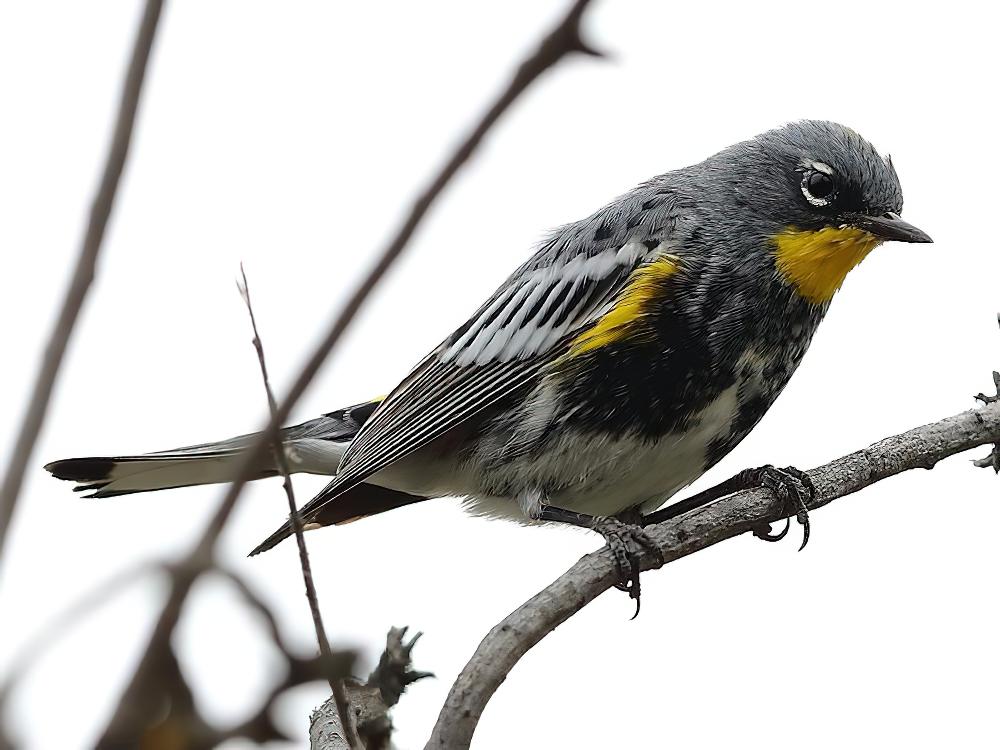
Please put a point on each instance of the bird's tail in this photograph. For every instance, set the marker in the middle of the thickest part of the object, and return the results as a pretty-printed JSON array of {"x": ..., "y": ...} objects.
[{"x": 313, "y": 447}]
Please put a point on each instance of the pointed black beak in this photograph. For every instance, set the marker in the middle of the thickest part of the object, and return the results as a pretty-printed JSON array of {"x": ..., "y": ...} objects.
[{"x": 889, "y": 227}]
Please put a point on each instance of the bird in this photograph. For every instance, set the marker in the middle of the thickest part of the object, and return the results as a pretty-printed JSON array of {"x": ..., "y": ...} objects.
[{"x": 631, "y": 352}]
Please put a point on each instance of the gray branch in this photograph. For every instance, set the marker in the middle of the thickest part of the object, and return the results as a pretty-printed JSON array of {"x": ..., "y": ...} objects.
[{"x": 920, "y": 448}]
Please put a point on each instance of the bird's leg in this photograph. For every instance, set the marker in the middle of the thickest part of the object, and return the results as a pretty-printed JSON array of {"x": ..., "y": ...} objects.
[
  {"x": 624, "y": 536},
  {"x": 790, "y": 485}
]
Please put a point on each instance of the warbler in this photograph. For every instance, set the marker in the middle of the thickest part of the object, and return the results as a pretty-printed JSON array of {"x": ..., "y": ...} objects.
[{"x": 631, "y": 352}]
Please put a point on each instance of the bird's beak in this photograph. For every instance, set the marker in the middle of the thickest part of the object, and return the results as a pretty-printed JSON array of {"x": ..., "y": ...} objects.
[{"x": 888, "y": 227}]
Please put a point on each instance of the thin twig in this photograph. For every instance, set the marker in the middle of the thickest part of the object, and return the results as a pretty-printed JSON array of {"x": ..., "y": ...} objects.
[
  {"x": 83, "y": 275},
  {"x": 920, "y": 448},
  {"x": 281, "y": 460},
  {"x": 133, "y": 706}
]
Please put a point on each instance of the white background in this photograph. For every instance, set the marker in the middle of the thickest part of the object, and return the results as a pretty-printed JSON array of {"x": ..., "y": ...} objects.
[{"x": 292, "y": 136}]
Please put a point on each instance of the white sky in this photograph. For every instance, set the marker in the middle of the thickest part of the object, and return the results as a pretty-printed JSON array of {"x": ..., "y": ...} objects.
[{"x": 291, "y": 136}]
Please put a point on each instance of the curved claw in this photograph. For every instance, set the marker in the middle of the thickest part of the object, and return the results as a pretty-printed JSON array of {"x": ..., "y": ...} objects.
[
  {"x": 794, "y": 488},
  {"x": 764, "y": 532},
  {"x": 810, "y": 490},
  {"x": 803, "y": 519}
]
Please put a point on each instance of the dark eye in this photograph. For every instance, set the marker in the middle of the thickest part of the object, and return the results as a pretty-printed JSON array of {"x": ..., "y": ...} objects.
[{"x": 818, "y": 187}]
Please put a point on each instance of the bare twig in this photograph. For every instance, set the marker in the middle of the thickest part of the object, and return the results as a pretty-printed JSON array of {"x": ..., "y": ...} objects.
[
  {"x": 506, "y": 643},
  {"x": 370, "y": 700},
  {"x": 83, "y": 274},
  {"x": 134, "y": 707},
  {"x": 281, "y": 460}
]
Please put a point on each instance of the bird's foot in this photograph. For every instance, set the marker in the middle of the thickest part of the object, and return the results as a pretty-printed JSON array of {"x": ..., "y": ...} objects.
[
  {"x": 627, "y": 542},
  {"x": 623, "y": 534},
  {"x": 794, "y": 488}
]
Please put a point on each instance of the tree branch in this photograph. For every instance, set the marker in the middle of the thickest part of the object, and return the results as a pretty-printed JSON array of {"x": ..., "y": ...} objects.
[
  {"x": 83, "y": 275},
  {"x": 281, "y": 461},
  {"x": 920, "y": 448}
]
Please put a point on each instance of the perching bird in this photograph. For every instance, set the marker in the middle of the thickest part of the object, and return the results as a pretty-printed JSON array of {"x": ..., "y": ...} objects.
[{"x": 631, "y": 352}]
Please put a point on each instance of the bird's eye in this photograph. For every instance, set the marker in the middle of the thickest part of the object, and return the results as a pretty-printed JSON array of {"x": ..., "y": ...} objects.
[{"x": 818, "y": 187}]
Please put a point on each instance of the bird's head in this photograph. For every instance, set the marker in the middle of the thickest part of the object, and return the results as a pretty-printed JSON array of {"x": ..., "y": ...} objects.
[{"x": 825, "y": 198}]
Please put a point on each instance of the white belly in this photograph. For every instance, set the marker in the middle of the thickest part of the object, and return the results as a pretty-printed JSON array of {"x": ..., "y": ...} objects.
[{"x": 601, "y": 475}]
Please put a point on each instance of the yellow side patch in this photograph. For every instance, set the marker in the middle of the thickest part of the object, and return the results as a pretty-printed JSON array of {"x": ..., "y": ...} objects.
[
  {"x": 816, "y": 262},
  {"x": 632, "y": 306}
]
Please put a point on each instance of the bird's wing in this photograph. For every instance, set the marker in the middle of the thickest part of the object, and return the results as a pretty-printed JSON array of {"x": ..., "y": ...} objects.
[{"x": 523, "y": 327}]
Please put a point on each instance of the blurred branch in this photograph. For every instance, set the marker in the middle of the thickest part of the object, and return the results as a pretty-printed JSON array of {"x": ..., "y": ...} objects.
[
  {"x": 561, "y": 41},
  {"x": 83, "y": 275},
  {"x": 281, "y": 461},
  {"x": 138, "y": 706},
  {"x": 370, "y": 700},
  {"x": 181, "y": 726},
  {"x": 177, "y": 721},
  {"x": 180, "y": 720},
  {"x": 920, "y": 448},
  {"x": 40, "y": 641}
]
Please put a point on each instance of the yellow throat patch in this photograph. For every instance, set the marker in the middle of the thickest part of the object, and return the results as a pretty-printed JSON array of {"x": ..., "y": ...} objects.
[
  {"x": 816, "y": 262},
  {"x": 620, "y": 322}
]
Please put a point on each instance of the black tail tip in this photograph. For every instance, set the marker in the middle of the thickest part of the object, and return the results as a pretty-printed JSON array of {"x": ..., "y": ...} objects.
[{"x": 81, "y": 469}]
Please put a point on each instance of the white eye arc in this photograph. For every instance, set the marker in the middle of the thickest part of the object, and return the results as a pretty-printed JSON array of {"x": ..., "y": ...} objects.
[{"x": 818, "y": 185}]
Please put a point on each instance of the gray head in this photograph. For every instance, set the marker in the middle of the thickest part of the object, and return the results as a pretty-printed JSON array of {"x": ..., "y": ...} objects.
[{"x": 813, "y": 174}]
